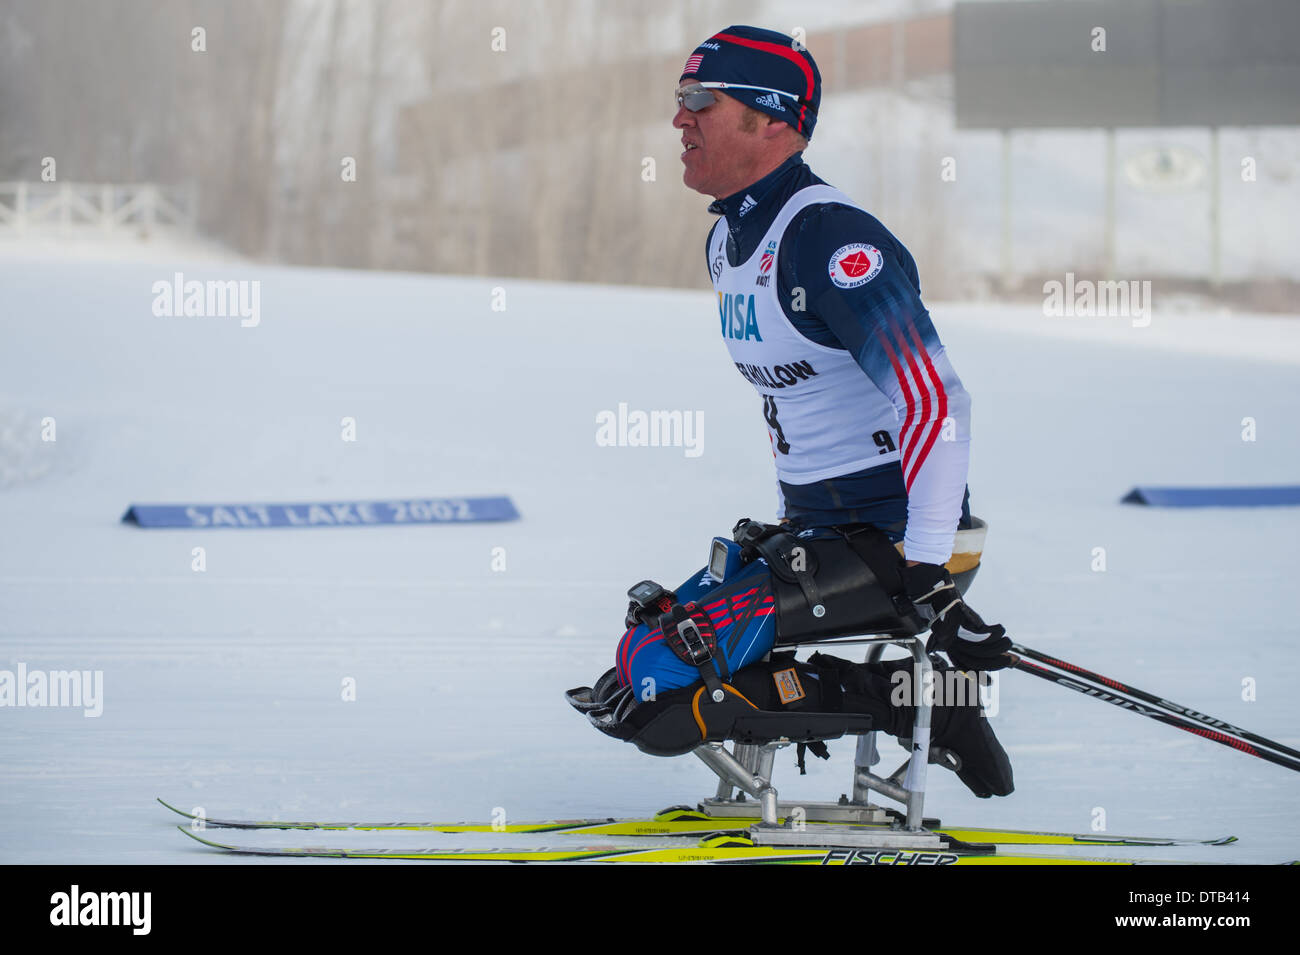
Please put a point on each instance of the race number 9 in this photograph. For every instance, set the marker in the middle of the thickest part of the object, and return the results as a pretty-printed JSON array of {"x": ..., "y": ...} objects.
[{"x": 769, "y": 412}]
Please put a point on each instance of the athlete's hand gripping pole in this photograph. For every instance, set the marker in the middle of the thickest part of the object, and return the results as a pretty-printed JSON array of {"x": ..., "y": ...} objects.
[{"x": 955, "y": 628}]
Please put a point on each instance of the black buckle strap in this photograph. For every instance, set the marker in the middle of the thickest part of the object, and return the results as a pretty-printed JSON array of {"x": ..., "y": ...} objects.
[
  {"x": 884, "y": 561},
  {"x": 690, "y": 634},
  {"x": 697, "y": 651},
  {"x": 776, "y": 545}
]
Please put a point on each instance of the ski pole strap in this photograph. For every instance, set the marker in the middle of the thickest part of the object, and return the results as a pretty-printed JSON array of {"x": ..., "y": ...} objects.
[{"x": 691, "y": 636}]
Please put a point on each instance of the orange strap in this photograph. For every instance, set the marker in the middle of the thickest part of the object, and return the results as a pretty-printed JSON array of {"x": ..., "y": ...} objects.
[{"x": 695, "y": 707}]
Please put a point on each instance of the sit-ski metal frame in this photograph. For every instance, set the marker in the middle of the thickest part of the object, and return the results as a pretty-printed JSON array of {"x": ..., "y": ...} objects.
[{"x": 748, "y": 768}]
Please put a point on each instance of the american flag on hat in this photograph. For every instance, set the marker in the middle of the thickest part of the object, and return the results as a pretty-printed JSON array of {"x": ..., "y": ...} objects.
[{"x": 693, "y": 64}]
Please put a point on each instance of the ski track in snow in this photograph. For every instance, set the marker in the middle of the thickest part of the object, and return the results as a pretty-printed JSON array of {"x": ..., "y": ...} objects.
[{"x": 223, "y": 688}]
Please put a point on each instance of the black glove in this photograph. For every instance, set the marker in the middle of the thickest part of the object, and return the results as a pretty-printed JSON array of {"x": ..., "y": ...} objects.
[{"x": 955, "y": 628}]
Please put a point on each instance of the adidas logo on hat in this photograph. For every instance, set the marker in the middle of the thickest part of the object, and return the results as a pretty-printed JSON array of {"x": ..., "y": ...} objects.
[{"x": 765, "y": 70}]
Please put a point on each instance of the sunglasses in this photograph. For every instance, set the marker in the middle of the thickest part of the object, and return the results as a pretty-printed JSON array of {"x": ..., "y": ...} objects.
[{"x": 696, "y": 96}]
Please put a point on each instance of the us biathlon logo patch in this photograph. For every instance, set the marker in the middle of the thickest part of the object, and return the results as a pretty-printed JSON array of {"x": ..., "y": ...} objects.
[
  {"x": 765, "y": 265},
  {"x": 788, "y": 686},
  {"x": 855, "y": 264}
]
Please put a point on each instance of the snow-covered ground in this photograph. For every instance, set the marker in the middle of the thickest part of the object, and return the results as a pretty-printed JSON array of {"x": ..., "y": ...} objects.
[{"x": 224, "y": 688}]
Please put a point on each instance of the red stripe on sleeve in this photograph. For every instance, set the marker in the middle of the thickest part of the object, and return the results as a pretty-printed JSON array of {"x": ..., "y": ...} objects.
[
  {"x": 940, "y": 395},
  {"x": 911, "y": 459},
  {"x": 905, "y": 429}
]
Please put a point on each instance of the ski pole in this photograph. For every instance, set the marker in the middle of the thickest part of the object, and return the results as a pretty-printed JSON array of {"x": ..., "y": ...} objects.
[
  {"x": 1183, "y": 711},
  {"x": 1114, "y": 697}
]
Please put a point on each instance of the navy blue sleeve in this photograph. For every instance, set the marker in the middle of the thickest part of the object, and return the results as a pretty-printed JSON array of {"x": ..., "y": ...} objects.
[
  {"x": 851, "y": 307},
  {"x": 845, "y": 281}
]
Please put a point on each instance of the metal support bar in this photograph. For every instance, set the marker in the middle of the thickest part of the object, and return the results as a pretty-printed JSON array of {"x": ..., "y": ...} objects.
[
  {"x": 745, "y": 755},
  {"x": 866, "y": 756},
  {"x": 920, "y": 759},
  {"x": 730, "y": 768},
  {"x": 748, "y": 768},
  {"x": 764, "y": 757},
  {"x": 886, "y": 787},
  {"x": 840, "y": 836},
  {"x": 724, "y": 790},
  {"x": 912, "y": 774},
  {"x": 844, "y": 812}
]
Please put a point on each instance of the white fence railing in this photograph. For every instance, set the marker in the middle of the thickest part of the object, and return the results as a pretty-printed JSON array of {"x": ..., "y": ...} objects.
[{"x": 109, "y": 207}]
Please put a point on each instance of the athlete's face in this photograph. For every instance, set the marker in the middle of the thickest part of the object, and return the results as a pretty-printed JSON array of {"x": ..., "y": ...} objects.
[{"x": 721, "y": 151}]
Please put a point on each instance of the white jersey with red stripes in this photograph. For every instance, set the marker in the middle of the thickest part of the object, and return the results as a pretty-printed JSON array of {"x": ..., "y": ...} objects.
[
  {"x": 824, "y": 415},
  {"x": 831, "y": 413}
]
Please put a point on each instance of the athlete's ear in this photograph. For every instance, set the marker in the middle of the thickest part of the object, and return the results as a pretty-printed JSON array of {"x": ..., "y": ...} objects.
[{"x": 774, "y": 128}]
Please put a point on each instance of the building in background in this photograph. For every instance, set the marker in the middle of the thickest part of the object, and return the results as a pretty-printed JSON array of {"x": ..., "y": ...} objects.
[{"x": 534, "y": 140}]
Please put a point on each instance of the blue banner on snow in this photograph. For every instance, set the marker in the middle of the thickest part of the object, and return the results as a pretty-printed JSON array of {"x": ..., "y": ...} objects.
[
  {"x": 1279, "y": 496},
  {"x": 425, "y": 510}
]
